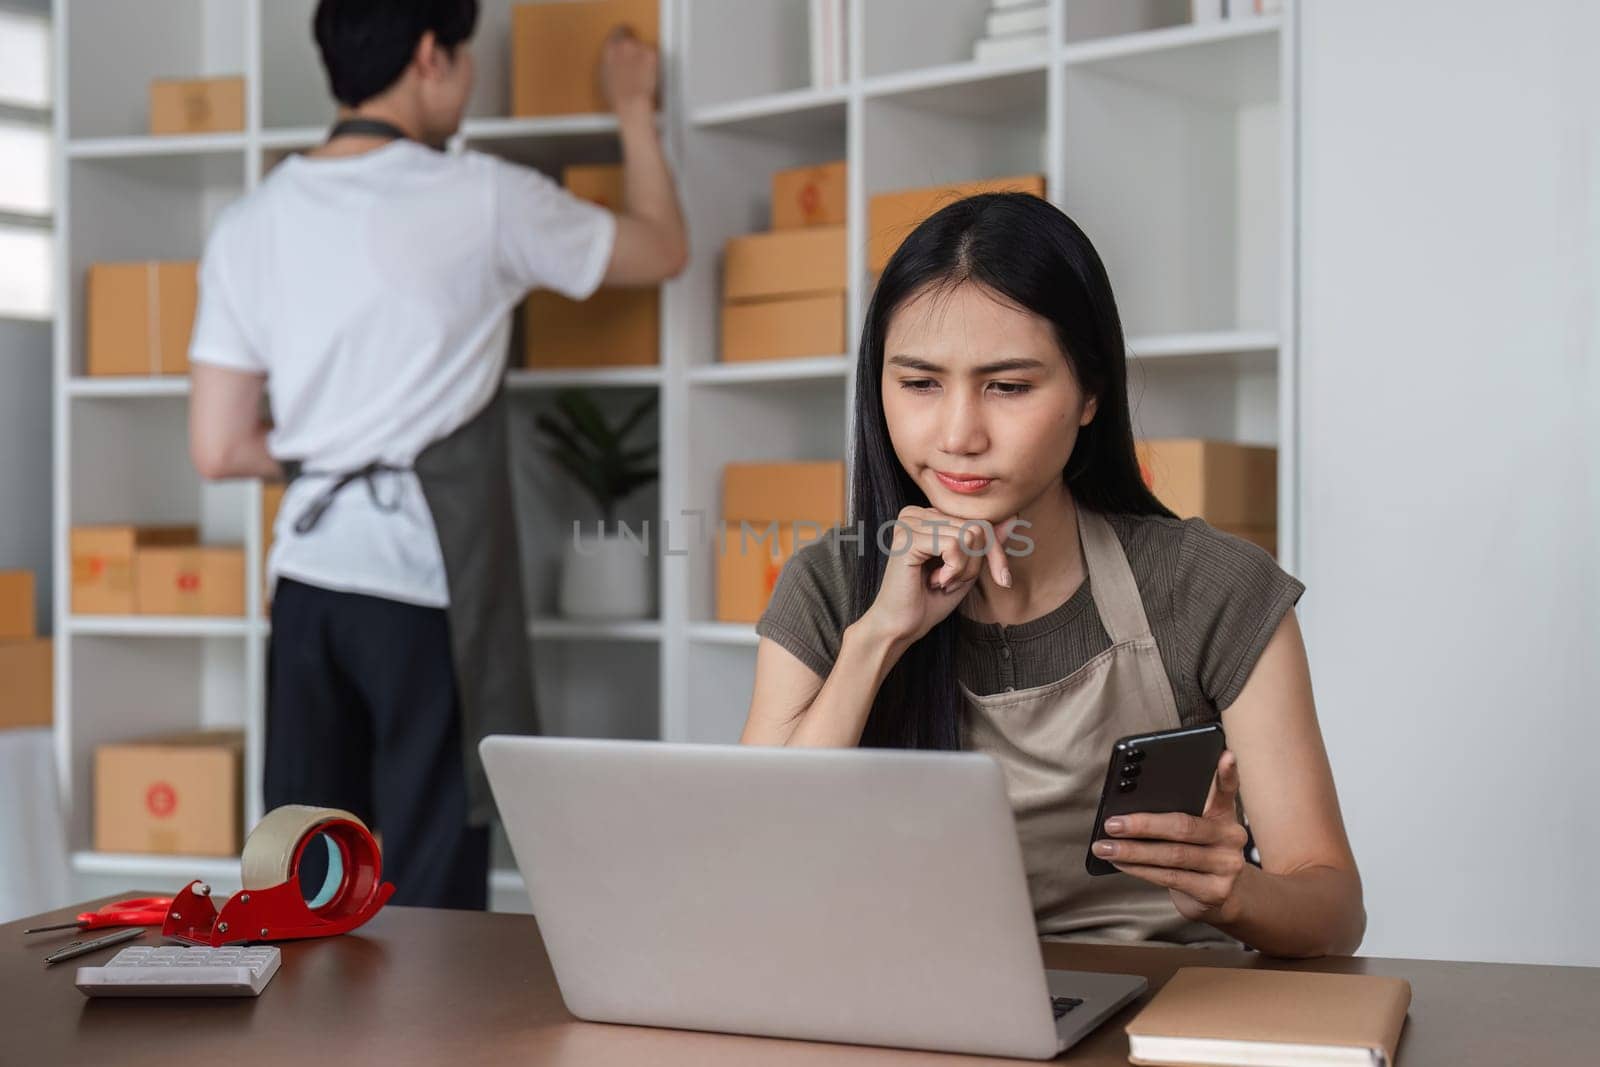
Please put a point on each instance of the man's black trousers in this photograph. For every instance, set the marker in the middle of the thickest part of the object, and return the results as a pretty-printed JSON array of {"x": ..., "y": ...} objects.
[{"x": 362, "y": 714}]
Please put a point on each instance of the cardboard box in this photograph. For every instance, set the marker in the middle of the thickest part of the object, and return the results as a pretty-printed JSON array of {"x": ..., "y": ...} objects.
[
  {"x": 618, "y": 327},
  {"x": 140, "y": 317},
  {"x": 783, "y": 329},
  {"x": 811, "y": 491},
  {"x": 17, "y": 606},
  {"x": 1224, "y": 483},
  {"x": 810, "y": 196},
  {"x": 613, "y": 328},
  {"x": 748, "y": 569},
  {"x": 892, "y": 216},
  {"x": 598, "y": 183},
  {"x": 28, "y": 696},
  {"x": 784, "y": 503},
  {"x": 556, "y": 48},
  {"x": 785, "y": 263},
  {"x": 180, "y": 794},
  {"x": 203, "y": 580},
  {"x": 102, "y": 563},
  {"x": 197, "y": 105}
]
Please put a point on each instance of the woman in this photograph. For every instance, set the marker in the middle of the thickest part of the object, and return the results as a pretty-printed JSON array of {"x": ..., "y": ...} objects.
[{"x": 991, "y": 388}]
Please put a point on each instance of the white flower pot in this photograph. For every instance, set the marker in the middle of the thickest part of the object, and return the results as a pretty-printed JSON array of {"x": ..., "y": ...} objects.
[{"x": 606, "y": 577}]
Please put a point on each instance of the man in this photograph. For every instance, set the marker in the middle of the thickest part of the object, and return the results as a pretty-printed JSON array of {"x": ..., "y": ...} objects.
[{"x": 366, "y": 287}]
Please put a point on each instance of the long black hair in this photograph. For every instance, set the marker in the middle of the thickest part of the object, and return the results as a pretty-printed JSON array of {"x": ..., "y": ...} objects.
[{"x": 1031, "y": 254}]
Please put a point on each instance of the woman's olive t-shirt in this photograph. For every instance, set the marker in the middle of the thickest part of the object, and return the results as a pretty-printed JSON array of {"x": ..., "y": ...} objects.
[{"x": 1213, "y": 600}]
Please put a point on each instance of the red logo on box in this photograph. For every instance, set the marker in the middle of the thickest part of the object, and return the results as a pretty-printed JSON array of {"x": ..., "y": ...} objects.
[
  {"x": 189, "y": 581},
  {"x": 161, "y": 800},
  {"x": 810, "y": 200}
]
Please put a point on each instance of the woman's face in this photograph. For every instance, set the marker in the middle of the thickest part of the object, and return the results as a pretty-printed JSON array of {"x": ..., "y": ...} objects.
[{"x": 982, "y": 408}]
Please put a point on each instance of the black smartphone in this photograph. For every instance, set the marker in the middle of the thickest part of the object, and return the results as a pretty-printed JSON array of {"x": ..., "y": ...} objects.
[{"x": 1170, "y": 770}]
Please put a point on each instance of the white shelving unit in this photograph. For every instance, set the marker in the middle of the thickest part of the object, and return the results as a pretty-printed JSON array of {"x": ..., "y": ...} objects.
[{"x": 1171, "y": 144}]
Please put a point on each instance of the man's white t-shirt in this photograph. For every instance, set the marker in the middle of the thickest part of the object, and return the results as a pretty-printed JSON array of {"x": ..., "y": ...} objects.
[{"x": 375, "y": 293}]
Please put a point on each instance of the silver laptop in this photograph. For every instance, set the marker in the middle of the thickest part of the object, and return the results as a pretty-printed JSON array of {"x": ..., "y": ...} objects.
[{"x": 860, "y": 896}]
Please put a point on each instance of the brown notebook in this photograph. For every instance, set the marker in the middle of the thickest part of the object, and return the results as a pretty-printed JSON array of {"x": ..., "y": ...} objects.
[{"x": 1220, "y": 1015}]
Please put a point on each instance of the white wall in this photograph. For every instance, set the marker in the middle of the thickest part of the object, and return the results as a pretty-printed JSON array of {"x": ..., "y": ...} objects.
[
  {"x": 25, "y": 404},
  {"x": 1450, "y": 393}
]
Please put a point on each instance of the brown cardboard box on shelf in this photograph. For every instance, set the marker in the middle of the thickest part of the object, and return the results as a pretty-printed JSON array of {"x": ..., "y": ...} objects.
[
  {"x": 748, "y": 565},
  {"x": 27, "y": 697},
  {"x": 618, "y": 327},
  {"x": 761, "y": 266},
  {"x": 803, "y": 491},
  {"x": 197, "y": 580},
  {"x": 16, "y": 606},
  {"x": 892, "y": 216},
  {"x": 197, "y": 105},
  {"x": 598, "y": 183},
  {"x": 1226, "y": 484},
  {"x": 140, "y": 317},
  {"x": 613, "y": 328},
  {"x": 783, "y": 329},
  {"x": 809, "y": 196},
  {"x": 783, "y": 504},
  {"x": 102, "y": 563},
  {"x": 555, "y": 52},
  {"x": 180, "y": 794}
]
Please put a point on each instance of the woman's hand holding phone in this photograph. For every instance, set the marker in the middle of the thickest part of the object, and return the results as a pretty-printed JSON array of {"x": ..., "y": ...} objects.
[
  {"x": 915, "y": 596},
  {"x": 1197, "y": 859}
]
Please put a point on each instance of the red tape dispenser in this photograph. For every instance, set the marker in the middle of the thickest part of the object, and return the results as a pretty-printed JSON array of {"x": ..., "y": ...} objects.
[{"x": 273, "y": 905}]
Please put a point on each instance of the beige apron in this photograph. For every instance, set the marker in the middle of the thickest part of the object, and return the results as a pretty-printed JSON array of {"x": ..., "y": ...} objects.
[{"x": 1052, "y": 743}]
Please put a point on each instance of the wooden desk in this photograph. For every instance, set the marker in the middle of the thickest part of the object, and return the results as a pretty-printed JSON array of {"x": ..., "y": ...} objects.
[{"x": 456, "y": 988}]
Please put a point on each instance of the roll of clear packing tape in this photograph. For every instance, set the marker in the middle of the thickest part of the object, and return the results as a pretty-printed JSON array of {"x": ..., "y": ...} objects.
[
  {"x": 275, "y": 844},
  {"x": 272, "y": 903}
]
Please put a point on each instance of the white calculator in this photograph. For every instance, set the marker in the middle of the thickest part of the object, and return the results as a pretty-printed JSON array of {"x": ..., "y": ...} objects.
[{"x": 183, "y": 971}]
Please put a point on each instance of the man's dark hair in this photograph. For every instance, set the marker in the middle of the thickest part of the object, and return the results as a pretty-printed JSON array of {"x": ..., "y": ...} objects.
[{"x": 367, "y": 44}]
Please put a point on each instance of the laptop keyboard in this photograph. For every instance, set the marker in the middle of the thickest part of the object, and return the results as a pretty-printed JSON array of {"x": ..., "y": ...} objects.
[{"x": 1062, "y": 1005}]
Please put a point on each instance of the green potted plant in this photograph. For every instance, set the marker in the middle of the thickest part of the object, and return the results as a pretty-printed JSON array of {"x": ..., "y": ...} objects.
[{"x": 603, "y": 575}]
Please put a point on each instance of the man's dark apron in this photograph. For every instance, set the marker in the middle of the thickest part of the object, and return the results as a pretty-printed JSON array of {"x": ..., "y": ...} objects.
[{"x": 466, "y": 483}]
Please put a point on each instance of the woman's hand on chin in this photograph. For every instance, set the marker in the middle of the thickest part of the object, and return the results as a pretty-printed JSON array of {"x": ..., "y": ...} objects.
[{"x": 916, "y": 595}]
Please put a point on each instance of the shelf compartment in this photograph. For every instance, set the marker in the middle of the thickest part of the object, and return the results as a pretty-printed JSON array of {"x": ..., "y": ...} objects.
[
  {"x": 798, "y": 113},
  {"x": 967, "y": 88},
  {"x": 117, "y": 49},
  {"x": 762, "y": 48},
  {"x": 1233, "y": 63}
]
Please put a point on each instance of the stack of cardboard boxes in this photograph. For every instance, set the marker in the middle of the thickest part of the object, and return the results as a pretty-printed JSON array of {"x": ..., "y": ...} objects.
[
  {"x": 892, "y": 216},
  {"x": 784, "y": 291},
  {"x": 1232, "y": 487},
  {"x": 26, "y": 660},
  {"x": 179, "y": 794},
  {"x": 614, "y": 327},
  {"x": 768, "y": 511},
  {"x": 154, "y": 570}
]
